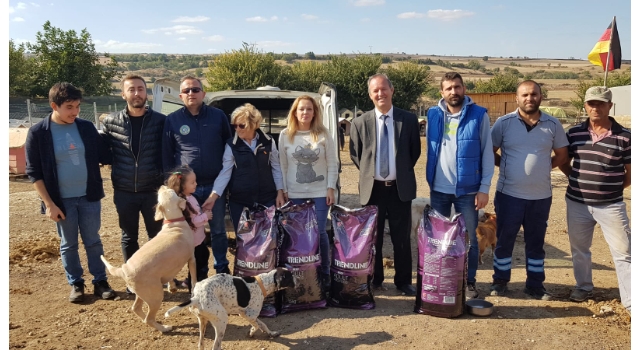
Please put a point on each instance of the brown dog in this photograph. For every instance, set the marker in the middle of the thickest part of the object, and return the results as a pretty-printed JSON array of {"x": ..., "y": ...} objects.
[
  {"x": 486, "y": 233},
  {"x": 160, "y": 259}
]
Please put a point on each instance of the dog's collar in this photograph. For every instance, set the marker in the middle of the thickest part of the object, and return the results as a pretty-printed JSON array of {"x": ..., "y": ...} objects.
[
  {"x": 264, "y": 291},
  {"x": 173, "y": 220}
]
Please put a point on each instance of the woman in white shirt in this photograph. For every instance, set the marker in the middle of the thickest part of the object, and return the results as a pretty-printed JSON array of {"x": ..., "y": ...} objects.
[{"x": 309, "y": 166}]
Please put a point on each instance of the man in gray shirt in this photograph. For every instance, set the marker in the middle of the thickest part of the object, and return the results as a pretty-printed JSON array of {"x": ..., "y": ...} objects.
[{"x": 525, "y": 139}]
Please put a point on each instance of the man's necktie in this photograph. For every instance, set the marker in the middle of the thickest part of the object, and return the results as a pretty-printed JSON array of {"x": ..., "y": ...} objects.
[{"x": 384, "y": 149}]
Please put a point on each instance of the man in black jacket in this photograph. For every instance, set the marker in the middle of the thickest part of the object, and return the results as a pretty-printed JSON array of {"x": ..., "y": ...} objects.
[{"x": 134, "y": 136}]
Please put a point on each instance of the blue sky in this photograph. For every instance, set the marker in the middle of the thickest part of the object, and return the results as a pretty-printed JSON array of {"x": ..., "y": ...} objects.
[{"x": 544, "y": 29}]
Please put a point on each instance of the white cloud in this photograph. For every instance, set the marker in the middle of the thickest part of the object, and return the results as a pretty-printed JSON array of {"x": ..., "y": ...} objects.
[
  {"x": 187, "y": 19},
  {"x": 267, "y": 44},
  {"x": 177, "y": 29},
  {"x": 214, "y": 38},
  {"x": 256, "y": 19},
  {"x": 34, "y": 4},
  {"x": 11, "y": 10},
  {"x": 181, "y": 38},
  {"x": 368, "y": 2},
  {"x": 21, "y": 6},
  {"x": 309, "y": 17},
  {"x": 365, "y": 20},
  {"x": 118, "y": 45},
  {"x": 448, "y": 15},
  {"x": 18, "y": 19},
  {"x": 410, "y": 15},
  {"x": 263, "y": 19}
]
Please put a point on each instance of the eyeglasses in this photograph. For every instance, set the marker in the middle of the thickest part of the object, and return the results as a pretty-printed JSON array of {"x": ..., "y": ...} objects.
[
  {"x": 241, "y": 126},
  {"x": 195, "y": 90}
]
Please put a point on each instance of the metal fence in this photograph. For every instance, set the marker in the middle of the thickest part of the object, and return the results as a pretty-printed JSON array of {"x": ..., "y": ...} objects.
[{"x": 26, "y": 111}]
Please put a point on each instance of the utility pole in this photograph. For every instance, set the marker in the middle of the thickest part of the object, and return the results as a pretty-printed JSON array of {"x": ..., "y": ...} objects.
[{"x": 370, "y": 52}]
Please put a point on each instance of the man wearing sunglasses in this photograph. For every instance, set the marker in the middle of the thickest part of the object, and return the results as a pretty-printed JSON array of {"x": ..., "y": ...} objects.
[{"x": 195, "y": 135}]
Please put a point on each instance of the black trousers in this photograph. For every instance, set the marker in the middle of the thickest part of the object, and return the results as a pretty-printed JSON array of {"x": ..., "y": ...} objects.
[
  {"x": 129, "y": 206},
  {"x": 399, "y": 213}
]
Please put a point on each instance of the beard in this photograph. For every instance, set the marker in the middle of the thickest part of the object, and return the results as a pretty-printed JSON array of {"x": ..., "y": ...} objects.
[
  {"x": 529, "y": 109},
  {"x": 455, "y": 100},
  {"x": 138, "y": 103}
]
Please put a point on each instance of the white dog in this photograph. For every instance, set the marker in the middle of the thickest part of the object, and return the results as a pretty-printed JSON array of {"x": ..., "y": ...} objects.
[
  {"x": 160, "y": 259},
  {"x": 221, "y": 295}
]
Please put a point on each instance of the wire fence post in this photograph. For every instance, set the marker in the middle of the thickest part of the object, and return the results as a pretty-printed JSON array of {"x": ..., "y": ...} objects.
[
  {"x": 95, "y": 115},
  {"x": 29, "y": 112}
]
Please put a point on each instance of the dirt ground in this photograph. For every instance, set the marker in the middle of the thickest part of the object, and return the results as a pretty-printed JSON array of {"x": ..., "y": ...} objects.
[{"x": 40, "y": 316}]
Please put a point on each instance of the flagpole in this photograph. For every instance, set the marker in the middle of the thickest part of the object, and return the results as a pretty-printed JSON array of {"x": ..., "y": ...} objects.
[{"x": 606, "y": 67}]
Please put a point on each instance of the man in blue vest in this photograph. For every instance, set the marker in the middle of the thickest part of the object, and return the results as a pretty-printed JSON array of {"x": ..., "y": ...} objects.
[{"x": 460, "y": 161}]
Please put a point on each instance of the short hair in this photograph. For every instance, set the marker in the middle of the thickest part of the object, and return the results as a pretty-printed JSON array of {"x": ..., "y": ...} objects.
[
  {"x": 64, "y": 92},
  {"x": 451, "y": 76},
  {"x": 529, "y": 81},
  {"x": 132, "y": 77},
  {"x": 379, "y": 75},
  {"x": 250, "y": 113},
  {"x": 191, "y": 77}
]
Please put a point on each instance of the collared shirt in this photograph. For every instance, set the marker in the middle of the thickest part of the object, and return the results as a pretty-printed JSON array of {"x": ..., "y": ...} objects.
[
  {"x": 228, "y": 161},
  {"x": 595, "y": 137},
  {"x": 392, "y": 147}
]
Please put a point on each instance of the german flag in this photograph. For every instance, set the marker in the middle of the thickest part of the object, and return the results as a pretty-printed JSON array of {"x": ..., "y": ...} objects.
[{"x": 609, "y": 39}]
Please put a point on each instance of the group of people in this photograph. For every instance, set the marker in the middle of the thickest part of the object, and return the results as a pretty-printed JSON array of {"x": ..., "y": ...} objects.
[
  {"x": 462, "y": 149},
  {"x": 194, "y": 151}
]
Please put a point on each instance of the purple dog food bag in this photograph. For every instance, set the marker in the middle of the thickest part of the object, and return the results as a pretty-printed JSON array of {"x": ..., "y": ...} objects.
[
  {"x": 442, "y": 264},
  {"x": 299, "y": 251},
  {"x": 353, "y": 256},
  {"x": 256, "y": 241}
]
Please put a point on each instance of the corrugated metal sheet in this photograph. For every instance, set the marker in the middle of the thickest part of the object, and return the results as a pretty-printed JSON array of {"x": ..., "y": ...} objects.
[{"x": 497, "y": 104}]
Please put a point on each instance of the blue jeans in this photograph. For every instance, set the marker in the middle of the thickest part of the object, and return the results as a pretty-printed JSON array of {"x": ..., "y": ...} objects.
[
  {"x": 532, "y": 215},
  {"x": 84, "y": 217},
  {"x": 322, "y": 209},
  {"x": 466, "y": 205},
  {"x": 219, "y": 244}
]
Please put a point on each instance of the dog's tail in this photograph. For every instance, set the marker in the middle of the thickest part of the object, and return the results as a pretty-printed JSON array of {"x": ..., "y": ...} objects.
[
  {"x": 115, "y": 271},
  {"x": 179, "y": 307}
]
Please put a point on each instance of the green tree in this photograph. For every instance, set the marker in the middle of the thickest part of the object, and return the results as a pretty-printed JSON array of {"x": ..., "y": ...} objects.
[
  {"x": 246, "y": 68},
  {"x": 67, "y": 56},
  {"x": 20, "y": 70},
  {"x": 614, "y": 79},
  {"x": 485, "y": 58},
  {"x": 474, "y": 64},
  {"x": 349, "y": 75},
  {"x": 310, "y": 55},
  {"x": 410, "y": 81},
  {"x": 303, "y": 76},
  {"x": 498, "y": 83},
  {"x": 198, "y": 72}
]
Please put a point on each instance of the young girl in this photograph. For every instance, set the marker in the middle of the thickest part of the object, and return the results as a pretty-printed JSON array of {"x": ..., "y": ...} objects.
[{"x": 183, "y": 181}]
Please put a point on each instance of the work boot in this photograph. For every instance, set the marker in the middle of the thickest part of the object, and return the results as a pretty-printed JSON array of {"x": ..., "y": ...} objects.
[
  {"x": 77, "y": 293},
  {"x": 103, "y": 289},
  {"x": 498, "y": 288}
]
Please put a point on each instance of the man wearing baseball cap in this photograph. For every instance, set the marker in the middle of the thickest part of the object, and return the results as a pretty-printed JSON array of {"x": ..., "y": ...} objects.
[{"x": 601, "y": 169}]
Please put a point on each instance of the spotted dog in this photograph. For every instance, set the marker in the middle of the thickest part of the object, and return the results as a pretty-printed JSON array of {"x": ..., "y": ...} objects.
[{"x": 221, "y": 295}]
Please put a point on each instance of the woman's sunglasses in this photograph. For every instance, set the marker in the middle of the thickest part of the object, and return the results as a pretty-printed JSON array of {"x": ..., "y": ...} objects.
[{"x": 241, "y": 126}]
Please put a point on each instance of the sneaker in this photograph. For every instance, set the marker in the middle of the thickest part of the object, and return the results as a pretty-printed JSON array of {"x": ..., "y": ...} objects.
[
  {"x": 408, "y": 290},
  {"x": 498, "y": 288},
  {"x": 580, "y": 295},
  {"x": 537, "y": 293},
  {"x": 77, "y": 293},
  {"x": 471, "y": 292},
  {"x": 103, "y": 289}
]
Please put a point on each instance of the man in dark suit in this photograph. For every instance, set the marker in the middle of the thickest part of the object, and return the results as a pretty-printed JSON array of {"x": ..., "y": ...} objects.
[{"x": 385, "y": 146}]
